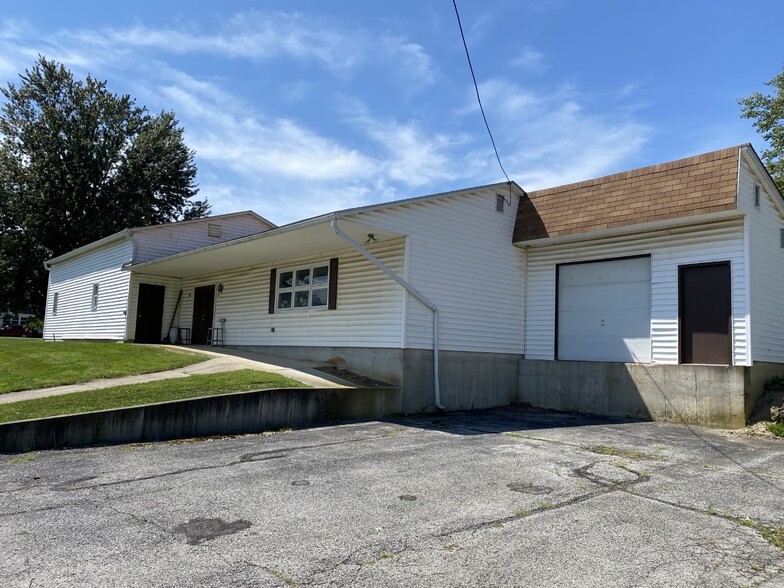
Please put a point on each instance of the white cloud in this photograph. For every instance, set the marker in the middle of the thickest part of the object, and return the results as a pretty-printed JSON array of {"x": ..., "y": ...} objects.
[
  {"x": 412, "y": 63},
  {"x": 528, "y": 58},
  {"x": 262, "y": 36},
  {"x": 551, "y": 139},
  {"x": 227, "y": 133},
  {"x": 413, "y": 155}
]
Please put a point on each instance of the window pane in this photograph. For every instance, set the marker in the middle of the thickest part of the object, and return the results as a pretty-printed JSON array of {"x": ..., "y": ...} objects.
[
  {"x": 320, "y": 275},
  {"x": 319, "y": 297},
  {"x": 303, "y": 277},
  {"x": 284, "y": 300},
  {"x": 301, "y": 299},
  {"x": 286, "y": 280}
]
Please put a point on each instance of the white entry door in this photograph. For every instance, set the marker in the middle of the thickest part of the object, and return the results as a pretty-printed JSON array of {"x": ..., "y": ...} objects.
[{"x": 604, "y": 310}]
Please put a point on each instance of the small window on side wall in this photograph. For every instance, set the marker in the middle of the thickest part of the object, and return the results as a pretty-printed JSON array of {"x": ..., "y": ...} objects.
[{"x": 94, "y": 304}]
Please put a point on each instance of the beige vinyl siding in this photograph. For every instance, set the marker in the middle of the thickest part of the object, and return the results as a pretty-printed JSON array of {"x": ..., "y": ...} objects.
[
  {"x": 368, "y": 314},
  {"x": 461, "y": 257},
  {"x": 172, "y": 286},
  {"x": 163, "y": 240},
  {"x": 73, "y": 281},
  {"x": 668, "y": 249},
  {"x": 766, "y": 258}
]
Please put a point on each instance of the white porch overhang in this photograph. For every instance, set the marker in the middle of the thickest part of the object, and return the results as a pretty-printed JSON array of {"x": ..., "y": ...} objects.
[{"x": 302, "y": 239}]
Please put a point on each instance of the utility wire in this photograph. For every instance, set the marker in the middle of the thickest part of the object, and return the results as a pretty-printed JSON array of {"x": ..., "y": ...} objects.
[{"x": 478, "y": 99}]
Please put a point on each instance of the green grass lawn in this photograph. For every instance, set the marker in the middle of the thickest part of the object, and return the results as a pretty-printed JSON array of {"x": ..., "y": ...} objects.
[
  {"x": 28, "y": 364},
  {"x": 138, "y": 394}
]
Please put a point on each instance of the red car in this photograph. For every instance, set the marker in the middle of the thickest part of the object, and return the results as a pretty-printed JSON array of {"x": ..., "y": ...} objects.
[{"x": 18, "y": 331}]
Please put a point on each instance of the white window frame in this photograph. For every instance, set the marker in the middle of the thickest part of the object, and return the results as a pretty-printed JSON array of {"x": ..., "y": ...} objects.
[
  {"x": 294, "y": 288},
  {"x": 94, "y": 298}
]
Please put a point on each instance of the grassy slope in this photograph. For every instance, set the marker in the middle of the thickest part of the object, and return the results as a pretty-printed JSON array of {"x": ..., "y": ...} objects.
[
  {"x": 138, "y": 394},
  {"x": 29, "y": 364}
]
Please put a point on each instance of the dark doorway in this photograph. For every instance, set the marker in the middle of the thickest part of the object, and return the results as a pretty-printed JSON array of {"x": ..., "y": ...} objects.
[
  {"x": 203, "y": 304},
  {"x": 705, "y": 313},
  {"x": 149, "y": 313}
]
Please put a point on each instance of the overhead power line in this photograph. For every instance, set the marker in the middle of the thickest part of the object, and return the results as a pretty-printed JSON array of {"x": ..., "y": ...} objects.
[{"x": 476, "y": 88}]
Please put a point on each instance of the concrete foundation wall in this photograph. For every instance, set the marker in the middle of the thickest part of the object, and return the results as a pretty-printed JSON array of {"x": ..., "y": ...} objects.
[
  {"x": 246, "y": 412},
  {"x": 701, "y": 394},
  {"x": 468, "y": 379}
]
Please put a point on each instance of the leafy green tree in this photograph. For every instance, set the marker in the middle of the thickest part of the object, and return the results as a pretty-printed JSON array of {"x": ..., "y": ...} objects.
[
  {"x": 78, "y": 163},
  {"x": 767, "y": 110}
]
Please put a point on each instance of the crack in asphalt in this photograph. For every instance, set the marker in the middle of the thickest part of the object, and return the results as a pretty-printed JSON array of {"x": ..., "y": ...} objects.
[{"x": 260, "y": 456}]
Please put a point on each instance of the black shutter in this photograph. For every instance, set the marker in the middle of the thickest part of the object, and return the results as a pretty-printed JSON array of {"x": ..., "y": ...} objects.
[
  {"x": 333, "y": 284},
  {"x": 273, "y": 278}
]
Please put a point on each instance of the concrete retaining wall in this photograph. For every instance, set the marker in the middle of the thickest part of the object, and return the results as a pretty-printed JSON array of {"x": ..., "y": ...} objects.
[
  {"x": 245, "y": 412},
  {"x": 701, "y": 394},
  {"x": 468, "y": 380}
]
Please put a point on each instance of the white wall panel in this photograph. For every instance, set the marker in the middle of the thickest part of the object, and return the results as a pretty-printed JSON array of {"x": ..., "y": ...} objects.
[
  {"x": 168, "y": 239},
  {"x": 369, "y": 304},
  {"x": 73, "y": 281},
  {"x": 462, "y": 259},
  {"x": 766, "y": 258},
  {"x": 668, "y": 249}
]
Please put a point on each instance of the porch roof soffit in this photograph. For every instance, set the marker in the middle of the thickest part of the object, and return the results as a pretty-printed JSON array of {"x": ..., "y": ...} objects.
[{"x": 280, "y": 245}]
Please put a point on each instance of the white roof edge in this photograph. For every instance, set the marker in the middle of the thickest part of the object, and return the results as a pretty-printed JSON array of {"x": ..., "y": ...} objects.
[
  {"x": 308, "y": 222},
  {"x": 751, "y": 157},
  {"x": 203, "y": 219},
  {"x": 403, "y": 202},
  {"x": 699, "y": 219},
  {"x": 276, "y": 231},
  {"x": 124, "y": 234}
]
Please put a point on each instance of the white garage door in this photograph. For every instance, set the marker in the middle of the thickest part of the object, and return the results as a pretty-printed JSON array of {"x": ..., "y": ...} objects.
[{"x": 604, "y": 310}]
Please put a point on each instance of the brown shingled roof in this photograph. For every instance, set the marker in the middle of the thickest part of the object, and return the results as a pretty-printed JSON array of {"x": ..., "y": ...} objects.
[{"x": 686, "y": 187}]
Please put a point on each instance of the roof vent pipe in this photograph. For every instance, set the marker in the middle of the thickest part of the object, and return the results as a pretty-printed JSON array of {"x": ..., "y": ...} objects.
[{"x": 411, "y": 290}]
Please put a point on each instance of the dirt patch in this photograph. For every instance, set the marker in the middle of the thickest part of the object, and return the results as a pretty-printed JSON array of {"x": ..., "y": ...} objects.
[
  {"x": 758, "y": 423},
  {"x": 355, "y": 378}
]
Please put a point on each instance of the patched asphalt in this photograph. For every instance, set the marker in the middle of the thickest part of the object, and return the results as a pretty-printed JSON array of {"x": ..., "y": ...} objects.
[{"x": 490, "y": 498}]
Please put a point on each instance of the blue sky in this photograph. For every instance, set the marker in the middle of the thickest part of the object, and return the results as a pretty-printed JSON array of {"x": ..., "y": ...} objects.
[{"x": 296, "y": 108}]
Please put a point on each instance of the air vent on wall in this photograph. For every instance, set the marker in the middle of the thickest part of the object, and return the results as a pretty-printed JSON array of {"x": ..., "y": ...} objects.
[
  {"x": 213, "y": 230},
  {"x": 500, "y": 201},
  {"x": 756, "y": 195}
]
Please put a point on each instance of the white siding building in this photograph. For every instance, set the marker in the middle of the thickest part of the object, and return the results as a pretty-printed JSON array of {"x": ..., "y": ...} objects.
[
  {"x": 652, "y": 293},
  {"x": 449, "y": 250},
  {"x": 678, "y": 264},
  {"x": 91, "y": 294}
]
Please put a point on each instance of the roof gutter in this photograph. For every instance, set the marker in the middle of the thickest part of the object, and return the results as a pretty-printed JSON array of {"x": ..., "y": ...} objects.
[{"x": 411, "y": 290}]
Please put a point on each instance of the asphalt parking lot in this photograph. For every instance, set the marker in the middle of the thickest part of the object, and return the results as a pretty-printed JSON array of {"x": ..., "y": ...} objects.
[{"x": 492, "y": 498}]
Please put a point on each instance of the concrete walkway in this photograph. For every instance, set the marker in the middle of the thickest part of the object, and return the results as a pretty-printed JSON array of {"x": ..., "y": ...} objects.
[{"x": 223, "y": 360}]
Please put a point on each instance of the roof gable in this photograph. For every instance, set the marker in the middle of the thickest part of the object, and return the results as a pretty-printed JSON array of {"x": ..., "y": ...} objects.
[{"x": 692, "y": 186}]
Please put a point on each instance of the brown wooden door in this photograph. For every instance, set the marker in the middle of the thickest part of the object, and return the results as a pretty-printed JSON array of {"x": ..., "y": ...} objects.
[
  {"x": 149, "y": 313},
  {"x": 203, "y": 305},
  {"x": 705, "y": 313}
]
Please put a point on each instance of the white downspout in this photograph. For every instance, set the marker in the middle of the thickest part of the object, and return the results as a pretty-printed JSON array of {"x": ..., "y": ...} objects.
[{"x": 411, "y": 290}]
